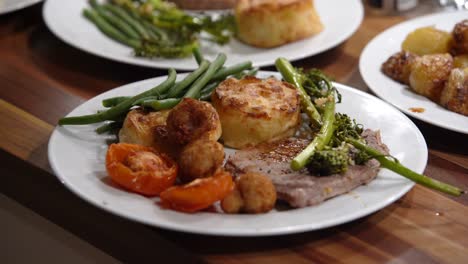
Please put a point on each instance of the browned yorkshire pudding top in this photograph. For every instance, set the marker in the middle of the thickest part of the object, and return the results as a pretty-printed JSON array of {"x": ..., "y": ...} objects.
[{"x": 205, "y": 4}]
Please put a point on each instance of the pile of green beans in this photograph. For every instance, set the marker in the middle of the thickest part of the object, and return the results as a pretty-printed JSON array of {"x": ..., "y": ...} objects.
[{"x": 198, "y": 84}]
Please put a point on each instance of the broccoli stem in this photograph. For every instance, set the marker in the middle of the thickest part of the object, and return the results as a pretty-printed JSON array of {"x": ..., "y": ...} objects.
[
  {"x": 293, "y": 77},
  {"x": 321, "y": 139},
  {"x": 397, "y": 167},
  {"x": 117, "y": 110}
]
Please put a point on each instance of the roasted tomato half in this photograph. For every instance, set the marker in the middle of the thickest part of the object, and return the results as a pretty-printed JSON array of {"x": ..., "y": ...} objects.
[
  {"x": 198, "y": 194},
  {"x": 140, "y": 169}
]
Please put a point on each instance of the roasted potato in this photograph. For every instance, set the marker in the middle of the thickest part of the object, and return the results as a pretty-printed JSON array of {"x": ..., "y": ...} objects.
[
  {"x": 139, "y": 127},
  {"x": 398, "y": 66},
  {"x": 254, "y": 194},
  {"x": 200, "y": 158},
  {"x": 460, "y": 61},
  {"x": 427, "y": 40},
  {"x": 233, "y": 202},
  {"x": 271, "y": 23},
  {"x": 455, "y": 94},
  {"x": 429, "y": 74},
  {"x": 460, "y": 38},
  {"x": 191, "y": 120},
  {"x": 254, "y": 110}
]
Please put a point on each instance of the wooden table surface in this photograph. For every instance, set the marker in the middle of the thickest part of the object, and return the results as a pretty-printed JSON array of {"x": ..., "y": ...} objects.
[{"x": 42, "y": 79}]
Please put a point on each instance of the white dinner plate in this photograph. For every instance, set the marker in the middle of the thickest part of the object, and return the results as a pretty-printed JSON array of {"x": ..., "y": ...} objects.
[
  {"x": 7, "y": 6},
  {"x": 77, "y": 156},
  {"x": 389, "y": 42},
  {"x": 340, "y": 18}
]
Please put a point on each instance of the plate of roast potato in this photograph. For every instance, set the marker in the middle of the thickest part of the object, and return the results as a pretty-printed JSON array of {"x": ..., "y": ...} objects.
[
  {"x": 266, "y": 30},
  {"x": 83, "y": 160},
  {"x": 421, "y": 67}
]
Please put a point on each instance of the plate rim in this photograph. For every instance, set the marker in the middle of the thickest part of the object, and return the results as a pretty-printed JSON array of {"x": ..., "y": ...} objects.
[
  {"x": 249, "y": 233},
  {"x": 365, "y": 77},
  {"x": 154, "y": 63},
  {"x": 19, "y": 6}
]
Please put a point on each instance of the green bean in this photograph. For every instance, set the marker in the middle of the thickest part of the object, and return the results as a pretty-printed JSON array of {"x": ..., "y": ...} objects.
[
  {"x": 198, "y": 55},
  {"x": 122, "y": 107},
  {"x": 154, "y": 31},
  {"x": 109, "y": 30},
  {"x": 236, "y": 68},
  {"x": 140, "y": 101},
  {"x": 113, "y": 101},
  {"x": 177, "y": 89},
  {"x": 194, "y": 90},
  {"x": 108, "y": 127},
  {"x": 161, "y": 104},
  {"x": 206, "y": 92},
  {"x": 114, "y": 20},
  {"x": 135, "y": 24}
]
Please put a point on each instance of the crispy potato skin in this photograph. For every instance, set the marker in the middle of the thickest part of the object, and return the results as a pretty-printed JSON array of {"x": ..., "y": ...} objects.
[
  {"x": 455, "y": 94},
  {"x": 460, "y": 38},
  {"x": 399, "y": 65},
  {"x": 254, "y": 110},
  {"x": 271, "y": 23},
  {"x": 254, "y": 194},
  {"x": 200, "y": 158},
  {"x": 191, "y": 120},
  {"x": 139, "y": 125},
  {"x": 429, "y": 74}
]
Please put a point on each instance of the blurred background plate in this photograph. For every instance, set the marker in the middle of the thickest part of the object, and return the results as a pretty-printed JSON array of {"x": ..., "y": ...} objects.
[
  {"x": 389, "y": 42},
  {"x": 340, "y": 18},
  {"x": 7, "y": 6}
]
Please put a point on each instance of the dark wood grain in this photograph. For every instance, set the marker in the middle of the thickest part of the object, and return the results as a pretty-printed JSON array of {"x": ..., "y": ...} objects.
[{"x": 42, "y": 79}]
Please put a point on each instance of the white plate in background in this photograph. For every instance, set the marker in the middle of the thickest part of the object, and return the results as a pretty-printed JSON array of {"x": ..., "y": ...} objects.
[
  {"x": 389, "y": 42},
  {"x": 64, "y": 18},
  {"x": 77, "y": 156},
  {"x": 7, "y": 6}
]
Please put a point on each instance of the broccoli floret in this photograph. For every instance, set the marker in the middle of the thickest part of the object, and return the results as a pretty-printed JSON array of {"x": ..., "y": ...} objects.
[{"x": 329, "y": 161}]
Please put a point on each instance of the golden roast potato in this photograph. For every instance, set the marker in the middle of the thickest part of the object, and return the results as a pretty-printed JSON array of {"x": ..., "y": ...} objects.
[
  {"x": 271, "y": 23},
  {"x": 427, "y": 40},
  {"x": 398, "y": 66},
  {"x": 455, "y": 94},
  {"x": 460, "y": 38},
  {"x": 191, "y": 120},
  {"x": 252, "y": 110},
  {"x": 460, "y": 61},
  {"x": 429, "y": 74},
  {"x": 254, "y": 194},
  {"x": 139, "y": 127},
  {"x": 200, "y": 158}
]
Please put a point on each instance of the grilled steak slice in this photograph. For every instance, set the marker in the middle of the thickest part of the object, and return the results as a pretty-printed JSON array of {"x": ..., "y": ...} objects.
[{"x": 299, "y": 188}]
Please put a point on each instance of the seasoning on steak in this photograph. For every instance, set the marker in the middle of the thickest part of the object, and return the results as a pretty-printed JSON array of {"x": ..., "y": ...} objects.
[{"x": 299, "y": 188}]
